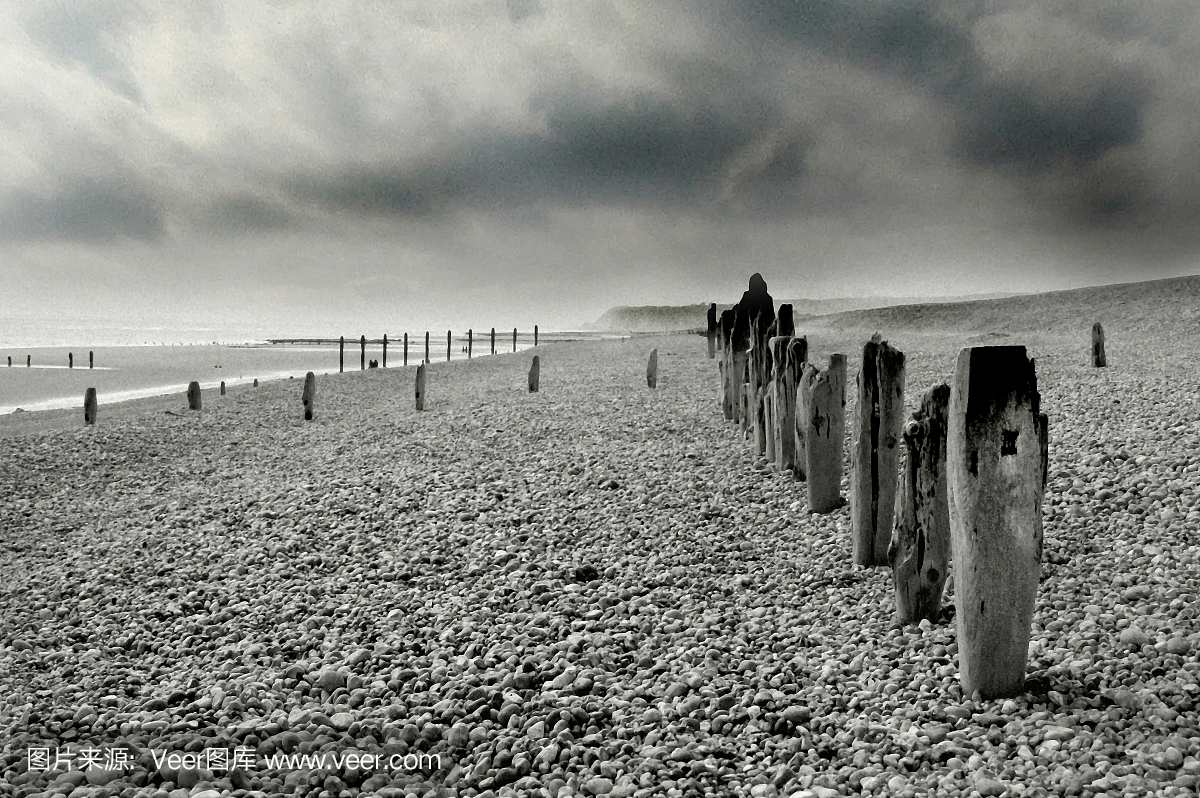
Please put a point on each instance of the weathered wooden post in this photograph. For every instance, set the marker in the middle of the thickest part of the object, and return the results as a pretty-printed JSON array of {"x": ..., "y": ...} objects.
[
  {"x": 70, "y": 360},
  {"x": 794, "y": 355},
  {"x": 804, "y": 383},
  {"x": 222, "y": 387},
  {"x": 1098, "y": 359},
  {"x": 759, "y": 368},
  {"x": 781, "y": 446},
  {"x": 28, "y": 361},
  {"x": 10, "y": 361},
  {"x": 309, "y": 396},
  {"x": 448, "y": 342},
  {"x": 91, "y": 358},
  {"x": 406, "y": 350},
  {"x": 470, "y": 342},
  {"x": 427, "y": 346},
  {"x": 996, "y": 470},
  {"x": 727, "y": 395},
  {"x": 341, "y": 354},
  {"x": 535, "y": 335},
  {"x": 787, "y": 325},
  {"x": 876, "y": 451},
  {"x": 535, "y": 374},
  {"x": 514, "y": 339},
  {"x": 826, "y": 431},
  {"x": 256, "y": 382},
  {"x": 920, "y": 549},
  {"x": 493, "y": 340},
  {"x": 362, "y": 357},
  {"x": 193, "y": 395},
  {"x": 385, "y": 350},
  {"x": 421, "y": 386},
  {"x": 89, "y": 406},
  {"x": 652, "y": 369},
  {"x": 712, "y": 331}
]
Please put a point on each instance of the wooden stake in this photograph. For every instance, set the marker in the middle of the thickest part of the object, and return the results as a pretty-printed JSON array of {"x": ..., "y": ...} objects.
[
  {"x": 362, "y": 358},
  {"x": 514, "y": 339},
  {"x": 406, "y": 350},
  {"x": 309, "y": 396},
  {"x": 255, "y": 382},
  {"x": 996, "y": 468},
  {"x": 826, "y": 422},
  {"x": 427, "y": 346},
  {"x": 420, "y": 392},
  {"x": 712, "y": 331},
  {"x": 493, "y": 340},
  {"x": 193, "y": 396},
  {"x": 535, "y": 374},
  {"x": 91, "y": 359},
  {"x": 1098, "y": 359},
  {"x": 385, "y": 350},
  {"x": 70, "y": 360},
  {"x": 876, "y": 451},
  {"x": 89, "y": 406},
  {"x": 919, "y": 552},
  {"x": 535, "y": 335},
  {"x": 222, "y": 387},
  {"x": 808, "y": 375},
  {"x": 652, "y": 369},
  {"x": 470, "y": 342},
  {"x": 448, "y": 340},
  {"x": 341, "y": 354}
]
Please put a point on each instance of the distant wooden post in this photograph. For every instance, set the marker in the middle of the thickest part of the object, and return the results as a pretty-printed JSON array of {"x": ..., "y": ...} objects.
[
  {"x": 996, "y": 471},
  {"x": 712, "y": 331},
  {"x": 91, "y": 358},
  {"x": 787, "y": 326},
  {"x": 535, "y": 374},
  {"x": 385, "y": 350},
  {"x": 28, "y": 361},
  {"x": 362, "y": 357},
  {"x": 535, "y": 335},
  {"x": 193, "y": 395},
  {"x": 427, "y": 346},
  {"x": 406, "y": 349},
  {"x": 10, "y": 361},
  {"x": 493, "y": 340},
  {"x": 652, "y": 369},
  {"x": 341, "y": 354},
  {"x": 309, "y": 396},
  {"x": 920, "y": 549},
  {"x": 222, "y": 387},
  {"x": 448, "y": 341},
  {"x": 89, "y": 406},
  {"x": 420, "y": 386},
  {"x": 514, "y": 339},
  {"x": 70, "y": 360},
  {"x": 1098, "y": 359},
  {"x": 876, "y": 451},
  {"x": 826, "y": 433},
  {"x": 256, "y": 382}
]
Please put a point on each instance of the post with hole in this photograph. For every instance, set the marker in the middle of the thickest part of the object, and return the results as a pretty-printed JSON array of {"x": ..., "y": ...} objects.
[
  {"x": 309, "y": 396},
  {"x": 876, "y": 451}
]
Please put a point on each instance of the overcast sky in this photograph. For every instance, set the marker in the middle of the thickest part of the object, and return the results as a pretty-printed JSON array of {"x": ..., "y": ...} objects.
[{"x": 502, "y": 163}]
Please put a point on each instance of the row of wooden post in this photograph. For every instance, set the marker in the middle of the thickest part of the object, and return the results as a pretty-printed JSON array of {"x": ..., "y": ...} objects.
[
  {"x": 970, "y": 491},
  {"x": 362, "y": 343}
]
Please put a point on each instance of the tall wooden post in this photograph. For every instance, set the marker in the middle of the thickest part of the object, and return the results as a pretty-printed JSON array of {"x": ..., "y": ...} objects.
[
  {"x": 493, "y": 340},
  {"x": 826, "y": 414},
  {"x": 222, "y": 387},
  {"x": 362, "y": 358},
  {"x": 89, "y": 406},
  {"x": 10, "y": 361},
  {"x": 193, "y": 396},
  {"x": 341, "y": 354},
  {"x": 712, "y": 331},
  {"x": 876, "y": 451},
  {"x": 759, "y": 368},
  {"x": 420, "y": 388},
  {"x": 406, "y": 350},
  {"x": 28, "y": 361},
  {"x": 920, "y": 549},
  {"x": 70, "y": 360},
  {"x": 91, "y": 359},
  {"x": 728, "y": 401},
  {"x": 789, "y": 358},
  {"x": 535, "y": 335},
  {"x": 470, "y": 342},
  {"x": 427, "y": 346},
  {"x": 385, "y": 350},
  {"x": 514, "y": 339},
  {"x": 448, "y": 341},
  {"x": 996, "y": 468},
  {"x": 309, "y": 396},
  {"x": 535, "y": 374},
  {"x": 652, "y": 369},
  {"x": 1098, "y": 359}
]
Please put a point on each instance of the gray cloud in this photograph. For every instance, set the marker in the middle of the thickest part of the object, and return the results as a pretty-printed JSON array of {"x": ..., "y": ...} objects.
[
  {"x": 88, "y": 209},
  {"x": 87, "y": 33}
]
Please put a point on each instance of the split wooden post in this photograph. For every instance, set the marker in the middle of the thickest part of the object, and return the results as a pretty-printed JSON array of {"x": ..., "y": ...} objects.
[
  {"x": 1098, "y": 359},
  {"x": 996, "y": 471},
  {"x": 70, "y": 360},
  {"x": 448, "y": 342},
  {"x": 535, "y": 335},
  {"x": 712, "y": 331},
  {"x": 427, "y": 346},
  {"x": 341, "y": 354},
  {"x": 920, "y": 549},
  {"x": 420, "y": 388},
  {"x": 826, "y": 421},
  {"x": 193, "y": 395},
  {"x": 493, "y": 340},
  {"x": 808, "y": 375},
  {"x": 535, "y": 374},
  {"x": 470, "y": 342},
  {"x": 362, "y": 357},
  {"x": 91, "y": 358},
  {"x": 876, "y": 451},
  {"x": 652, "y": 369},
  {"x": 385, "y": 350},
  {"x": 222, "y": 387},
  {"x": 790, "y": 354},
  {"x": 309, "y": 396},
  {"x": 406, "y": 349},
  {"x": 89, "y": 406}
]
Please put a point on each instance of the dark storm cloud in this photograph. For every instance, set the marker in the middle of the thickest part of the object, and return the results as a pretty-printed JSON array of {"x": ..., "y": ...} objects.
[
  {"x": 88, "y": 209},
  {"x": 246, "y": 214},
  {"x": 86, "y": 33}
]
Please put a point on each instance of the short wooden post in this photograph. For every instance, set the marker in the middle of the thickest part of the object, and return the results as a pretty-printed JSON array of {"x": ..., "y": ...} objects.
[
  {"x": 470, "y": 342},
  {"x": 89, "y": 406},
  {"x": 652, "y": 369},
  {"x": 362, "y": 357},
  {"x": 28, "y": 361},
  {"x": 427, "y": 346},
  {"x": 222, "y": 387},
  {"x": 420, "y": 391},
  {"x": 1098, "y": 359},
  {"x": 70, "y": 360},
  {"x": 256, "y": 382},
  {"x": 535, "y": 374},
  {"x": 493, "y": 340},
  {"x": 448, "y": 342},
  {"x": 385, "y": 350},
  {"x": 826, "y": 432},
  {"x": 535, "y": 335},
  {"x": 193, "y": 395},
  {"x": 920, "y": 549},
  {"x": 514, "y": 339},
  {"x": 876, "y": 451},
  {"x": 10, "y": 361},
  {"x": 996, "y": 471},
  {"x": 808, "y": 375},
  {"x": 341, "y": 354},
  {"x": 309, "y": 396},
  {"x": 712, "y": 331},
  {"x": 787, "y": 325},
  {"x": 91, "y": 358}
]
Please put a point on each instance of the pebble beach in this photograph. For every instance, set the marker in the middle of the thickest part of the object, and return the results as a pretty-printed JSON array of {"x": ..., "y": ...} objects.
[{"x": 594, "y": 590}]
